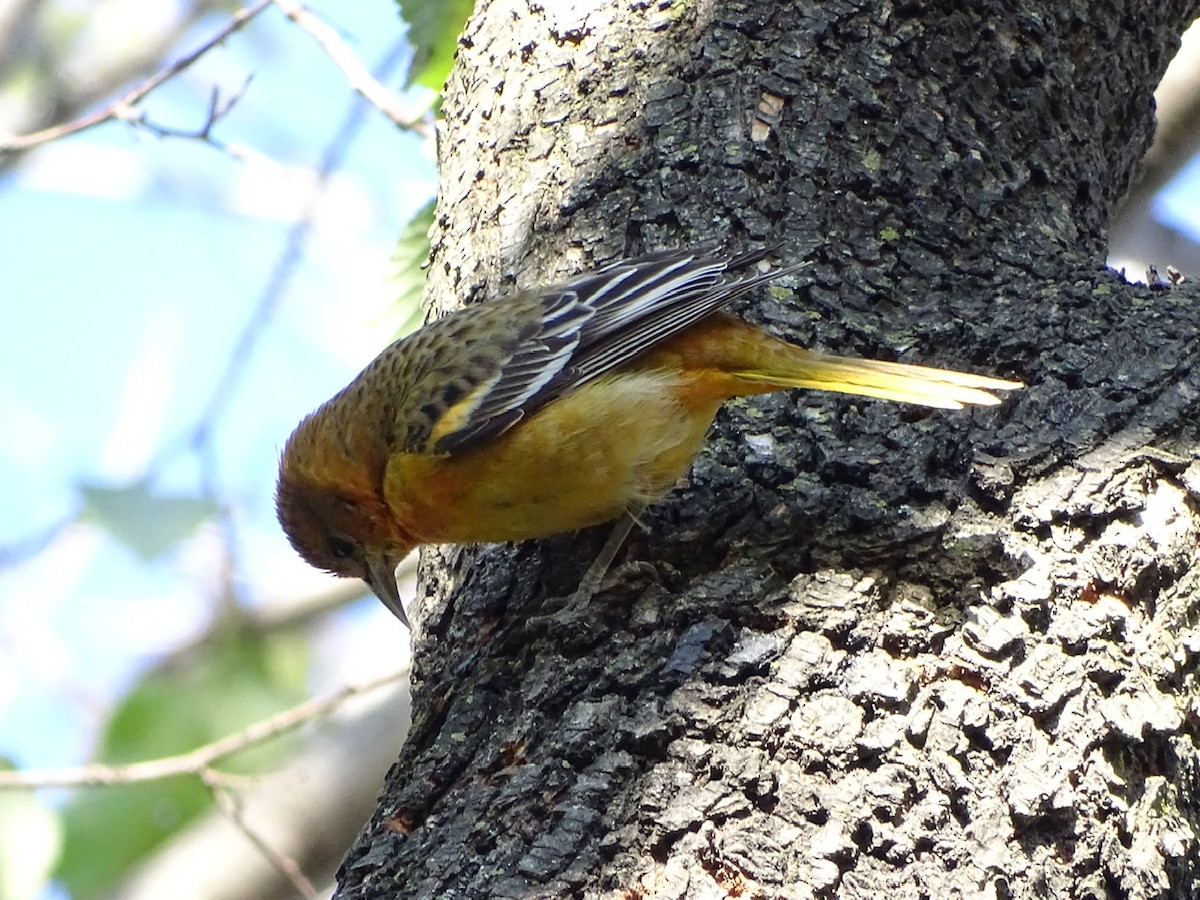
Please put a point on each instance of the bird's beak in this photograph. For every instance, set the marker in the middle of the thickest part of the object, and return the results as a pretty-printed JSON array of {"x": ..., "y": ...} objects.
[{"x": 381, "y": 576}]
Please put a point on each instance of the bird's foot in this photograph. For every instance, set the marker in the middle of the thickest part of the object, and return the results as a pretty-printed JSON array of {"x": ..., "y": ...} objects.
[{"x": 574, "y": 611}]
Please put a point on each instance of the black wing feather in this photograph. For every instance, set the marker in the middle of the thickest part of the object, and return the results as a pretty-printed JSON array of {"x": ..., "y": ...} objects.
[{"x": 598, "y": 321}]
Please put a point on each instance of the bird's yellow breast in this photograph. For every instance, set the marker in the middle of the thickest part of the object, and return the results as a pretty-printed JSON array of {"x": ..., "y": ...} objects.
[{"x": 583, "y": 459}]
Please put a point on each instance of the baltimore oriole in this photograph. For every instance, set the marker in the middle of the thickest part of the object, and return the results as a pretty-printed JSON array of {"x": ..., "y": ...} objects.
[{"x": 551, "y": 410}]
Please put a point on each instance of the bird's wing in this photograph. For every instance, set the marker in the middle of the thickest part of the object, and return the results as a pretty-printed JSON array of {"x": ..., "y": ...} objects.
[
  {"x": 522, "y": 355},
  {"x": 564, "y": 336}
]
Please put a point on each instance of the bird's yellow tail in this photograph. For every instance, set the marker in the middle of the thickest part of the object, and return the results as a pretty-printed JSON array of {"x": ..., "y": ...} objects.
[
  {"x": 750, "y": 361},
  {"x": 943, "y": 388}
]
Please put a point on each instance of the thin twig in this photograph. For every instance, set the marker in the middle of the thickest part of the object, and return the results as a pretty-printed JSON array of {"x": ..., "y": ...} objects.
[
  {"x": 357, "y": 75},
  {"x": 286, "y": 866},
  {"x": 123, "y": 108},
  {"x": 216, "y": 112},
  {"x": 195, "y": 761}
]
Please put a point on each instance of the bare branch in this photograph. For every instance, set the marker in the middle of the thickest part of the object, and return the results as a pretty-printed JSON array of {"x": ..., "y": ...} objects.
[
  {"x": 123, "y": 109},
  {"x": 194, "y": 762},
  {"x": 216, "y": 112},
  {"x": 310, "y": 809},
  {"x": 232, "y": 809},
  {"x": 357, "y": 74}
]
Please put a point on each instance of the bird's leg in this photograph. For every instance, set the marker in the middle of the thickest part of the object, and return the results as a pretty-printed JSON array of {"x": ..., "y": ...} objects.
[
  {"x": 590, "y": 583},
  {"x": 573, "y": 605}
]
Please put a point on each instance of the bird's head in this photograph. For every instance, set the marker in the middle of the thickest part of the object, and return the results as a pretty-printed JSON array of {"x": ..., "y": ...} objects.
[{"x": 335, "y": 521}]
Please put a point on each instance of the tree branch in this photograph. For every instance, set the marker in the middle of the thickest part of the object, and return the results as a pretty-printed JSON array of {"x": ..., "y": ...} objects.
[
  {"x": 284, "y": 864},
  {"x": 358, "y": 76},
  {"x": 122, "y": 109},
  {"x": 194, "y": 762}
]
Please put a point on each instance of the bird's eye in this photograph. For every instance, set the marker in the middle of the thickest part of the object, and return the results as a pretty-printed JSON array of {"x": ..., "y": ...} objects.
[{"x": 341, "y": 548}]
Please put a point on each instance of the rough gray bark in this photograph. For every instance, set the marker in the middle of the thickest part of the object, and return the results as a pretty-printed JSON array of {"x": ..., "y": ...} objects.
[{"x": 880, "y": 649}]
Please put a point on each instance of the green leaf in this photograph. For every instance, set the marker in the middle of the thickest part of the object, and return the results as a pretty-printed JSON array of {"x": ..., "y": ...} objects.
[
  {"x": 228, "y": 683},
  {"x": 433, "y": 30},
  {"x": 408, "y": 260},
  {"x": 149, "y": 524},
  {"x": 30, "y": 840},
  {"x": 110, "y": 829}
]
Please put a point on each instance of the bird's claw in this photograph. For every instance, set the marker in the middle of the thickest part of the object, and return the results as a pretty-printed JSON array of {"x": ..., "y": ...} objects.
[{"x": 574, "y": 610}]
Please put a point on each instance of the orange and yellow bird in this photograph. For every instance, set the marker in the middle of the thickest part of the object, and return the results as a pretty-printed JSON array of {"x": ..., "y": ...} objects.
[{"x": 551, "y": 410}]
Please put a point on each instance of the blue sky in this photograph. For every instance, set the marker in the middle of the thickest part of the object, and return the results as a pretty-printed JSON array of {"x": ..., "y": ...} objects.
[{"x": 1178, "y": 204}]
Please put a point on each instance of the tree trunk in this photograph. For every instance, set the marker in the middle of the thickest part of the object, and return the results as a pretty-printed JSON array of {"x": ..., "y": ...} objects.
[{"x": 878, "y": 648}]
